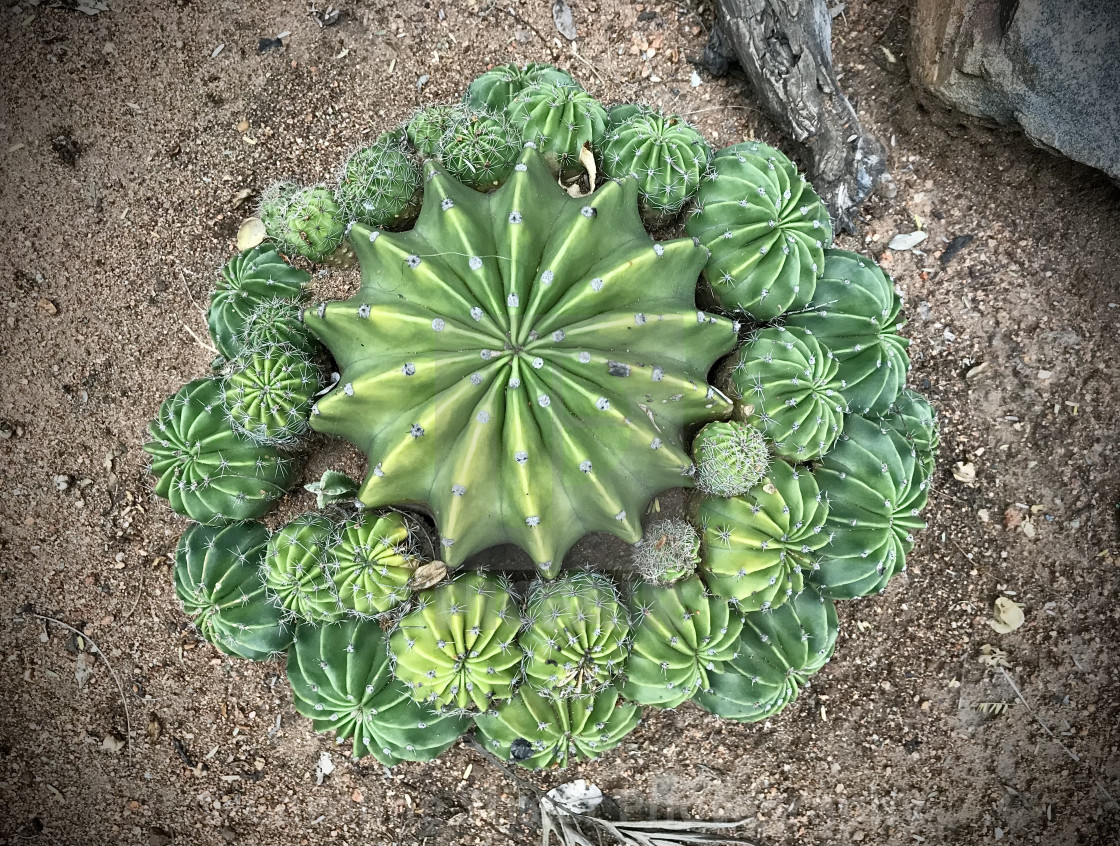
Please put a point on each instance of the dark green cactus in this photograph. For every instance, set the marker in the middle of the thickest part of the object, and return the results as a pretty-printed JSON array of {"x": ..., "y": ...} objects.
[
  {"x": 428, "y": 126},
  {"x": 877, "y": 487},
  {"x": 766, "y": 229},
  {"x": 341, "y": 680},
  {"x": 306, "y": 221},
  {"x": 530, "y": 399},
  {"x": 458, "y": 648},
  {"x": 760, "y": 547},
  {"x": 204, "y": 468},
  {"x": 682, "y": 638},
  {"x": 668, "y": 552},
  {"x": 370, "y": 561},
  {"x": 269, "y": 391},
  {"x": 730, "y": 458},
  {"x": 380, "y": 185},
  {"x": 790, "y": 391},
  {"x": 915, "y": 419},
  {"x": 778, "y": 652},
  {"x": 560, "y": 121},
  {"x": 480, "y": 149},
  {"x": 666, "y": 155},
  {"x": 854, "y": 313},
  {"x": 218, "y": 580},
  {"x": 249, "y": 282},
  {"x": 575, "y": 634},
  {"x": 295, "y": 569},
  {"x": 537, "y": 731},
  {"x": 497, "y": 88}
]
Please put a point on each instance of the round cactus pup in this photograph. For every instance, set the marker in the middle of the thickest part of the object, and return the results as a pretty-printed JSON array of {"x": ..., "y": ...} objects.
[
  {"x": 877, "y": 487},
  {"x": 537, "y": 731},
  {"x": 683, "y": 637},
  {"x": 380, "y": 186},
  {"x": 269, "y": 392},
  {"x": 765, "y": 227},
  {"x": 789, "y": 390},
  {"x": 480, "y": 149},
  {"x": 622, "y": 112},
  {"x": 458, "y": 648},
  {"x": 760, "y": 547},
  {"x": 204, "y": 468},
  {"x": 306, "y": 221},
  {"x": 428, "y": 126},
  {"x": 275, "y": 201},
  {"x": 341, "y": 680},
  {"x": 731, "y": 457},
  {"x": 560, "y": 121},
  {"x": 668, "y": 552},
  {"x": 370, "y": 561},
  {"x": 575, "y": 635},
  {"x": 294, "y": 569},
  {"x": 854, "y": 314},
  {"x": 277, "y": 322},
  {"x": 778, "y": 652},
  {"x": 497, "y": 88},
  {"x": 912, "y": 416},
  {"x": 218, "y": 580}
]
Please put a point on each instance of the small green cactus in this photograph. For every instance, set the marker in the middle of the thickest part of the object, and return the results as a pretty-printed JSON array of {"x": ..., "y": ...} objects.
[
  {"x": 666, "y": 155},
  {"x": 333, "y": 487},
  {"x": 341, "y": 680},
  {"x": 268, "y": 394},
  {"x": 306, "y": 221},
  {"x": 457, "y": 648},
  {"x": 370, "y": 561},
  {"x": 538, "y": 731},
  {"x": 668, "y": 552},
  {"x": 218, "y": 580},
  {"x": 854, "y": 314},
  {"x": 730, "y": 458},
  {"x": 760, "y": 547},
  {"x": 204, "y": 468},
  {"x": 560, "y": 121},
  {"x": 277, "y": 321},
  {"x": 765, "y": 227},
  {"x": 252, "y": 280},
  {"x": 497, "y": 88},
  {"x": 877, "y": 487},
  {"x": 380, "y": 185},
  {"x": 682, "y": 638},
  {"x": 480, "y": 149},
  {"x": 790, "y": 391},
  {"x": 428, "y": 126},
  {"x": 915, "y": 419},
  {"x": 294, "y": 569},
  {"x": 778, "y": 652},
  {"x": 575, "y": 634}
]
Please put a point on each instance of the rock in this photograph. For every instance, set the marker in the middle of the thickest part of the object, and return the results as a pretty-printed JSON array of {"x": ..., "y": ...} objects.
[
  {"x": 1049, "y": 66},
  {"x": 907, "y": 240}
]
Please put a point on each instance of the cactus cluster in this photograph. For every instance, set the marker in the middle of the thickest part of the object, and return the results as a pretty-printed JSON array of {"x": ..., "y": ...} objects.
[{"x": 524, "y": 364}]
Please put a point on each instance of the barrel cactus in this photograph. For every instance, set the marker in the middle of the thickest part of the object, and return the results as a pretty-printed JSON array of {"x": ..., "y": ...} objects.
[
  {"x": 560, "y": 120},
  {"x": 538, "y": 731},
  {"x": 218, "y": 580},
  {"x": 682, "y": 637},
  {"x": 205, "y": 469},
  {"x": 371, "y": 560},
  {"x": 428, "y": 126},
  {"x": 480, "y": 148},
  {"x": 380, "y": 185},
  {"x": 915, "y": 419},
  {"x": 306, "y": 221},
  {"x": 269, "y": 391},
  {"x": 457, "y": 647},
  {"x": 760, "y": 547},
  {"x": 731, "y": 457},
  {"x": 765, "y": 227},
  {"x": 276, "y": 322},
  {"x": 341, "y": 680},
  {"x": 497, "y": 88},
  {"x": 531, "y": 399},
  {"x": 575, "y": 634},
  {"x": 668, "y": 552},
  {"x": 294, "y": 569}
]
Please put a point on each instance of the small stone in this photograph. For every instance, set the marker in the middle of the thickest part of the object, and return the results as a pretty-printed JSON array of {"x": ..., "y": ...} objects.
[
  {"x": 983, "y": 515},
  {"x": 228, "y": 834},
  {"x": 907, "y": 240},
  {"x": 47, "y": 307},
  {"x": 159, "y": 837},
  {"x": 965, "y": 472},
  {"x": 356, "y": 796}
]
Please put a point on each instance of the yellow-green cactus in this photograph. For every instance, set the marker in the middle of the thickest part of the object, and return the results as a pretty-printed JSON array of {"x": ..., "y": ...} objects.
[{"x": 370, "y": 560}]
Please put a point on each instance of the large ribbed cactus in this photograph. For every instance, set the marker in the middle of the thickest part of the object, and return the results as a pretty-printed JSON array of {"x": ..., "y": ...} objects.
[
  {"x": 341, "y": 680},
  {"x": 535, "y": 383}
]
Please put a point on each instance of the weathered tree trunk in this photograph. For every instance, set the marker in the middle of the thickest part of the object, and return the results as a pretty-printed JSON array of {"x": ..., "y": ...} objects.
[{"x": 784, "y": 46}]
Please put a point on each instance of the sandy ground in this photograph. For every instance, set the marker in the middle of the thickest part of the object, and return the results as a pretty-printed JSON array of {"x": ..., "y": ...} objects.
[{"x": 126, "y": 141}]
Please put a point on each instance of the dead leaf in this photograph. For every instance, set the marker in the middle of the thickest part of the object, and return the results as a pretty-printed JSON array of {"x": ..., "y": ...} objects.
[
  {"x": 240, "y": 197},
  {"x": 1008, "y": 615},
  {"x": 964, "y": 472},
  {"x": 993, "y": 656},
  {"x": 112, "y": 743},
  {"x": 251, "y": 233},
  {"x": 427, "y": 575}
]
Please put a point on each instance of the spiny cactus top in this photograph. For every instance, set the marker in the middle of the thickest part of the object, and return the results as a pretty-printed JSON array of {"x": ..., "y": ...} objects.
[
  {"x": 760, "y": 547},
  {"x": 306, "y": 221},
  {"x": 269, "y": 391},
  {"x": 537, "y": 732},
  {"x": 855, "y": 314},
  {"x": 294, "y": 569},
  {"x": 916, "y": 420},
  {"x": 428, "y": 126},
  {"x": 730, "y": 458},
  {"x": 479, "y": 148},
  {"x": 668, "y": 552},
  {"x": 458, "y": 647},
  {"x": 560, "y": 121},
  {"x": 766, "y": 228},
  {"x": 341, "y": 680},
  {"x": 370, "y": 561},
  {"x": 207, "y": 471},
  {"x": 276, "y": 321},
  {"x": 380, "y": 185},
  {"x": 497, "y": 88},
  {"x": 535, "y": 383},
  {"x": 218, "y": 580}
]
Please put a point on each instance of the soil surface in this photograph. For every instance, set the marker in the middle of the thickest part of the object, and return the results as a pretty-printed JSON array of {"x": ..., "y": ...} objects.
[{"x": 133, "y": 142}]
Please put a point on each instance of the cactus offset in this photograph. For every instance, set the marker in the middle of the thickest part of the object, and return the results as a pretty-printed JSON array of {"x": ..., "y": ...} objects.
[
  {"x": 306, "y": 221},
  {"x": 560, "y": 121},
  {"x": 204, "y": 468},
  {"x": 915, "y": 419},
  {"x": 294, "y": 569},
  {"x": 218, "y": 580},
  {"x": 370, "y": 560},
  {"x": 269, "y": 391},
  {"x": 730, "y": 458},
  {"x": 341, "y": 680},
  {"x": 537, "y": 731},
  {"x": 277, "y": 321},
  {"x": 380, "y": 185},
  {"x": 668, "y": 552},
  {"x": 497, "y": 88},
  {"x": 528, "y": 399},
  {"x": 480, "y": 149},
  {"x": 760, "y": 547},
  {"x": 428, "y": 126}
]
